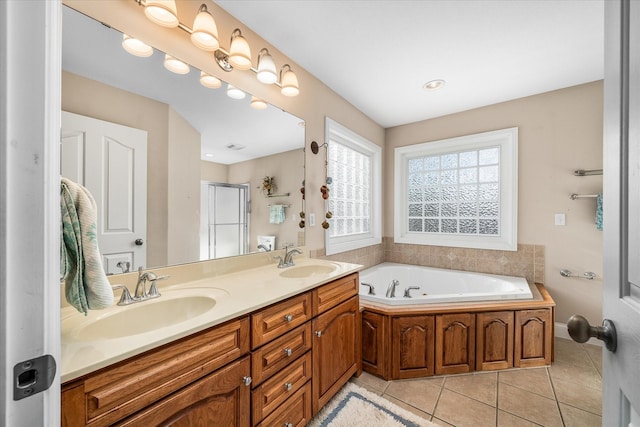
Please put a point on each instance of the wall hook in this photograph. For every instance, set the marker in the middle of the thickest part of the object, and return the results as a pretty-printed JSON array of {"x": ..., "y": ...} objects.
[{"x": 315, "y": 147}]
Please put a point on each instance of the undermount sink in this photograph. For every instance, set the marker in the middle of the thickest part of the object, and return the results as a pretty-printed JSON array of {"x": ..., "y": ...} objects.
[
  {"x": 307, "y": 271},
  {"x": 145, "y": 316}
]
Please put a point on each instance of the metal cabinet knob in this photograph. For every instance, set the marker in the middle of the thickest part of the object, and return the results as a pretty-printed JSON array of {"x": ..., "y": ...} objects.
[
  {"x": 288, "y": 425},
  {"x": 288, "y": 351},
  {"x": 318, "y": 333},
  {"x": 246, "y": 381},
  {"x": 288, "y": 386},
  {"x": 580, "y": 331},
  {"x": 288, "y": 317}
]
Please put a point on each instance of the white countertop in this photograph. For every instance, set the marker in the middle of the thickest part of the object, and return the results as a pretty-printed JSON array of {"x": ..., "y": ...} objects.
[{"x": 235, "y": 294}]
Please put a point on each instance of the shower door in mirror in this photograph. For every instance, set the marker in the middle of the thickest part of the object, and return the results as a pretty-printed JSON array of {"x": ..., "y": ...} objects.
[
  {"x": 224, "y": 220},
  {"x": 110, "y": 160}
]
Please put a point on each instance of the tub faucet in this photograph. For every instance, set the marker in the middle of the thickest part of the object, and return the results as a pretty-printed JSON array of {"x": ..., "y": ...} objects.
[
  {"x": 391, "y": 290},
  {"x": 264, "y": 248},
  {"x": 407, "y": 293}
]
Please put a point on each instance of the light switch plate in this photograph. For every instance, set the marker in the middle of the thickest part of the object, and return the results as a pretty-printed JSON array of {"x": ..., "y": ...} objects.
[{"x": 559, "y": 219}]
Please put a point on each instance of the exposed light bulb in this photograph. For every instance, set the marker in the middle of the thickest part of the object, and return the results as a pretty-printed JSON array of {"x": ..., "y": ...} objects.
[
  {"x": 288, "y": 81},
  {"x": 175, "y": 65},
  {"x": 266, "y": 68},
  {"x": 234, "y": 92},
  {"x": 209, "y": 81},
  {"x": 136, "y": 47},
  {"x": 257, "y": 103},
  {"x": 162, "y": 12},
  {"x": 239, "y": 51},
  {"x": 205, "y": 31}
]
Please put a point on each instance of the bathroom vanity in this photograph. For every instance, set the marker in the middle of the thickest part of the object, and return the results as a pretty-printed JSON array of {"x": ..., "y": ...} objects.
[{"x": 272, "y": 363}]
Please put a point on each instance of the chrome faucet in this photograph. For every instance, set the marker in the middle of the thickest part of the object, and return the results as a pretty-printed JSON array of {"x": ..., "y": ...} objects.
[
  {"x": 264, "y": 248},
  {"x": 287, "y": 261},
  {"x": 391, "y": 290},
  {"x": 141, "y": 291}
]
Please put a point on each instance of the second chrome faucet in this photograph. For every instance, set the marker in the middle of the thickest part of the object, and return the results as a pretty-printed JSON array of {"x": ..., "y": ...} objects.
[{"x": 287, "y": 261}]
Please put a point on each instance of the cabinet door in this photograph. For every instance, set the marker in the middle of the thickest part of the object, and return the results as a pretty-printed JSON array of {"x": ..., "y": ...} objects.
[
  {"x": 336, "y": 350},
  {"x": 494, "y": 340},
  {"x": 412, "y": 346},
  {"x": 534, "y": 338},
  {"x": 374, "y": 337},
  {"x": 221, "y": 398},
  {"x": 455, "y": 343}
]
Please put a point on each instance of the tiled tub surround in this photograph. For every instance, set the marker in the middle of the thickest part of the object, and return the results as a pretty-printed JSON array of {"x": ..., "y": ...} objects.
[{"x": 528, "y": 261}]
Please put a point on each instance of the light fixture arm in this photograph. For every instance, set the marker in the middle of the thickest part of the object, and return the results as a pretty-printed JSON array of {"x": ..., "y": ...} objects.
[{"x": 221, "y": 54}]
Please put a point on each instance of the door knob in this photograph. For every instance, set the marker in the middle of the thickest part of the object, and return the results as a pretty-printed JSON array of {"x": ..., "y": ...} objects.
[
  {"x": 580, "y": 331},
  {"x": 139, "y": 242}
]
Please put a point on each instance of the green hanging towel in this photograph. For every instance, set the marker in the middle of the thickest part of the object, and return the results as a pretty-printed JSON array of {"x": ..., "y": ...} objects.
[{"x": 86, "y": 285}]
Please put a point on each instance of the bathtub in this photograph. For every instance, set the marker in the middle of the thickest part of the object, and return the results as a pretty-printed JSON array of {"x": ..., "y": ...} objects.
[{"x": 436, "y": 285}]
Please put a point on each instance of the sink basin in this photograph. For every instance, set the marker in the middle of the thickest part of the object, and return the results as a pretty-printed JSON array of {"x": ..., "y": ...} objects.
[
  {"x": 307, "y": 270},
  {"x": 142, "y": 317}
]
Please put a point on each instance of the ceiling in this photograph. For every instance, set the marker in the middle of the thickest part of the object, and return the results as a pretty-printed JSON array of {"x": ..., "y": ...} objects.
[{"x": 378, "y": 54}]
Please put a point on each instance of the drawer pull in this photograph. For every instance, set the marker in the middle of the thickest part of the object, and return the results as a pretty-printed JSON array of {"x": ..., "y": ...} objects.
[
  {"x": 288, "y": 317},
  {"x": 318, "y": 334},
  {"x": 288, "y": 386},
  {"x": 288, "y": 351},
  {"x": 246, "y": 381},
  {"x": 288, "y": 425}
]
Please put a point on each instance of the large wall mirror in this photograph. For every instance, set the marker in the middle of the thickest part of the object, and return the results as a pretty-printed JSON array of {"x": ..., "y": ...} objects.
[{"x": 201, "y": 156}]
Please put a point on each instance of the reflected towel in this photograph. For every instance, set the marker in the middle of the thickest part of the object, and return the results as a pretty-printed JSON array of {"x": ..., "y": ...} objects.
[
  {"x": 599, "y": 211},
  {"x": 86, "y": 285},
  {"x": 276, "y": 214}
]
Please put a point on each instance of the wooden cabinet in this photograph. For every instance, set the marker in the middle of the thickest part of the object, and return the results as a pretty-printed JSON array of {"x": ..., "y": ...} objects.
[
  {"x": 221, "y": 398},
  {"x": 295, "y": 412},
  {"x": 374, "y": 336},
  {"x": 336, "y": 350},
  {"x": 279, "y": 318},
  {"x": 533, "y": 338},
  {"x": 455, "y": 343},
  {"x": 120, "y": 390},
  {"x": 277, "y": 366},
  {"x": 412, "y": 346},
  {"x": 494, "y": 340}
]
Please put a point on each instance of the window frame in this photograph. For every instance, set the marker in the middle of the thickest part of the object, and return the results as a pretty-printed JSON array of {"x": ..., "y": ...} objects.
[
  {"x": 334, "y": 131},
  {"x": 507, "y": 141}
]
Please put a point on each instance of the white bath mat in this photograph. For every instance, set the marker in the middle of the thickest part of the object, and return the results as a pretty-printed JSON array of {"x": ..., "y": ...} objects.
[{"x": 354, "y": 406}]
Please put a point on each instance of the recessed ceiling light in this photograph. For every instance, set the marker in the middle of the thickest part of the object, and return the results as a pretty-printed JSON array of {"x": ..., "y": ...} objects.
[{"x": 434, "y": 84}]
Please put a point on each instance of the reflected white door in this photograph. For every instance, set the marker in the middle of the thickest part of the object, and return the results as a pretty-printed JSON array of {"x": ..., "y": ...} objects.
[
  {"x": 110, "y": 160},
  {"x": 621, "y": 376}
]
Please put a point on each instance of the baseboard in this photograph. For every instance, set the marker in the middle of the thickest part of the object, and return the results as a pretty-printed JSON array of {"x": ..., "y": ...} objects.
[{"x": 562, "y": 332}]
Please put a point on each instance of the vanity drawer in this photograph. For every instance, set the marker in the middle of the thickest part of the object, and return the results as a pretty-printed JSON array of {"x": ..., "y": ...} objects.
[
  {"x": 278, "y": 388},
  {"x": 332, "y": 294},
  {"x": 279, "y": 353},
  {"x": 296, "y": 411},
  {"x": 279, "y": 318},
  {"x": 127, "y": 387}
]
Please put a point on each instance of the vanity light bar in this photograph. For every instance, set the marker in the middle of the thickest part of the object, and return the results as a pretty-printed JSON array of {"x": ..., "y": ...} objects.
[{"x": 288, "y": 88}]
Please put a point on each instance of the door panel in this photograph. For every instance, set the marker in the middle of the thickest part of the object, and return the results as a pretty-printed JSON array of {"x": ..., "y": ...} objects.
[
  {"x": 110, "y": 160},
  {"x": 621, "y": 388}
]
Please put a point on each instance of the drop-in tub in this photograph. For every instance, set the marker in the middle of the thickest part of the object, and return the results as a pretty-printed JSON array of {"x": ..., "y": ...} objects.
[{"x": 436, "y": 285}]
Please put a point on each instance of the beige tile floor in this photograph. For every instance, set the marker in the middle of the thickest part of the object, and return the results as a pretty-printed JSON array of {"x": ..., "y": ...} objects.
[{"x": 567, "y": 393}]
